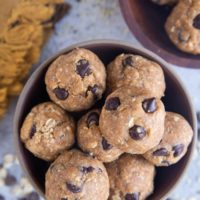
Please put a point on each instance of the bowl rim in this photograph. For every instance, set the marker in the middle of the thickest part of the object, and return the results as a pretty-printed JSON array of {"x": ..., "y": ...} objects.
[{"x": 123, "y": 44}]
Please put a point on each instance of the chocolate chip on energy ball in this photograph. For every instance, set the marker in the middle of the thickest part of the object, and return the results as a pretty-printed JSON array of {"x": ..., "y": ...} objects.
[
  {"x": 128, "y": 61},
  {"x": 106, "y": 146},
  {"x": 10, "y": 180},
  {"x": 112, "y": 103},
  {"x": 165, "y": 162},
  {"x": 87, "y": 153},
  {"x": 94, "y": 90},
  {"x": 87, "y": 169},
  {"x": 178, "y": 149},
  {"x": 93, "y": 118},
  {"x": 33, "y": 131},
  {"x": 137, "y": 132},
  {"x": 64, "y": 199},
  {"x": 196, "y": 22},
  {"x": 161, "y": 152},
  {"x": 83, "y": 68},
  {"x": 132, "y": 196},
  {"x": 73, "y": 188},
  {"x": 61, "y": 93},
  {"x": 149, "y": 105}
]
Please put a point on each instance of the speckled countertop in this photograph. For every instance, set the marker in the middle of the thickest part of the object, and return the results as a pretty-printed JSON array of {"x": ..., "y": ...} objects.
[{"x": 87, "y": 20}]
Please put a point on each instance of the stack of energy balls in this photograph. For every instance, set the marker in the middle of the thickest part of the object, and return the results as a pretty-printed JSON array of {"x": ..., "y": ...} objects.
[
  {"x": 183, "y": 24},
  {"x": 112, "y": 150}
]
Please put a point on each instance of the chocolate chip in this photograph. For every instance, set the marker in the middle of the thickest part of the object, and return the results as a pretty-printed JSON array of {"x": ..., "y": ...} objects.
[
  {"x": 165, "y": 162},
  {"x": 83, "y": 68},
  {"x": 10, "y": 180},
  {"x": 93, "y": 118},
  {"x": 87, "y": 153},
  {"x": 112, "y": 103},
  {"x": 63, "y": 199},
  {"x": 106, "y": 146},
  {"x": 132, "y": 196},
  {"x": 2, "y": 197},
  {"x": 94, "y": 89},
  {"x": 61, "y": 93},
  {"x": 178, "y": 149},
  {"x": 87, "y": 169},
  {"x": 196, "y": 22},
  {"x": 161, "y": 152},
  {"x": 128, "y": 61},
  {"x": 149, "y": 105},
  {"x": 137, "y": 132},
  {"x": 99, "y": 170},
  {"x": 31, "y": 196},
  {"x": 73, "y": 188},
  {"x": 32, "y": 131}
]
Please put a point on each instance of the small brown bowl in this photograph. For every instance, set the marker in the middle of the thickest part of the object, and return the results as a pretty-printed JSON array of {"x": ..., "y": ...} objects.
[
  {"x": 176, "y": 100},
  {"x": 146, "y": 21}
]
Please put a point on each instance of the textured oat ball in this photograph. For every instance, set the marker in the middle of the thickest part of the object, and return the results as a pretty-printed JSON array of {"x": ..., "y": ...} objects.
[
  {"x": 76, "y": 80},
  {"x": 165, "y": 2},
  {"x": 177, "y": 137},
  {"x": 131, "y": 121},
  {"x": 91, "y": 140},
  {"x": 183, "y": 26},
  {"x": 75, "y": 175},
  {"x": 47, "y": 131},
  {"x": 131, "y": 178},
  {"x": 135, "y": 71}
]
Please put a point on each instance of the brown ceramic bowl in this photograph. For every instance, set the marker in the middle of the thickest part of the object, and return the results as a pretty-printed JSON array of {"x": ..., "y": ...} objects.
[
  {"x": 146, "y": 21},
  {"x": 176, "y": 100}
]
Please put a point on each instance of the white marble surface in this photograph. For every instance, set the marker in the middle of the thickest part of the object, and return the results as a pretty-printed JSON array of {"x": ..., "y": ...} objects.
[{"x": 101, "y": 19}]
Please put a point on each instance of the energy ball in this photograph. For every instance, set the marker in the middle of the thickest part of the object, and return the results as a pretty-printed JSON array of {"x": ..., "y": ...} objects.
[
  {"x": 75, "y": 175},
  {"x": 183, "y": 26},
  {"x": 131, "y": 178},
  {"x": 47, "y": 131},
  {"x": 137, "y": 72},
  {"x": 76, "y": 80},
  {"x": 177, "y": 137},
  {"x": 91, "y": 140},
  {"x": 131, "y": 121}
]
